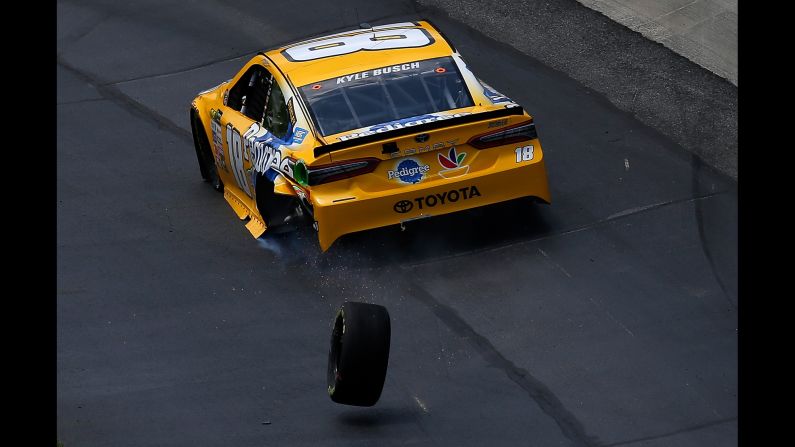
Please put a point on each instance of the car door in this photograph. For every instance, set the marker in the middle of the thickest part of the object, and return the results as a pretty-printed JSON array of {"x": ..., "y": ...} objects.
[
  {"x": 255, "y": 111},
  {"x": 245, "y": 106}
]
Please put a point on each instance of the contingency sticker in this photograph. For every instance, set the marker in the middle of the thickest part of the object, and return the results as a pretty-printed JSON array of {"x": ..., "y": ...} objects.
[
  {"x": 218, "y": 145},
  {"x": 299, "y": 134},
  {"x": 291, "y": 110}
]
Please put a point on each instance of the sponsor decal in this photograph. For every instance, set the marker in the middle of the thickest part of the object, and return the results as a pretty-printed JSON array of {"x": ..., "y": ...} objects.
[
  {"x": 453, "y": 163},
  {"x": 218, "y": 144},
  {"x": 493, "y": 95},
  {"x": 404, "y": 206},
  {"x": 438, "y": 199},
  {"x": 496, "y": 97},
  {"x": 524, "y": 153},
  {"x": 226, "y": 96},
  {"x": 421, "y": 138},
  {"x": 299, "y": 134},
  {"x": 400, "y": 124},
  {"x": 265, "y": 151},
  {"x": 377, "y": 72},
  {"x": 301, "y": 193},
  {"x": 408, "y": 171},
  {"x": 498, "y": 123},
  {"x": 259, "y": 147}
]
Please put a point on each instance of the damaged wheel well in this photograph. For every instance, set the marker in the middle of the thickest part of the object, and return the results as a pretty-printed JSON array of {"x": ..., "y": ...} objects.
[{"x": 273, "y": 207}]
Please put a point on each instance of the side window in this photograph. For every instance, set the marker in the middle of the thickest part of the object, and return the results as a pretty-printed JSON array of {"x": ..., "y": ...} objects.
[
  {"x": 277, "y": 118},
  {"x": 259, "y": 97},
  {"x": 248, "y": 96}
]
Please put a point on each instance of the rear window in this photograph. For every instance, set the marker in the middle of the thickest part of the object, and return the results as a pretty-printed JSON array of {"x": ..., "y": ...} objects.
[{"x": 386, "y": 94}]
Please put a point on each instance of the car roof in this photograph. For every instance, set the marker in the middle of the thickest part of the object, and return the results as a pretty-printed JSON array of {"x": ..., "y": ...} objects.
[{"x": 302, "y": 67}]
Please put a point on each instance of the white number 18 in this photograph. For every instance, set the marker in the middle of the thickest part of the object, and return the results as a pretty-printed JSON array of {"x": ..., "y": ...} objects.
[{"x": 524, "y": 153}]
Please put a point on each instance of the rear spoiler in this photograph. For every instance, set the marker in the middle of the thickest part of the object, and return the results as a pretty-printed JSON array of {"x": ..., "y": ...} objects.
[{"x": 320, "y": 150}]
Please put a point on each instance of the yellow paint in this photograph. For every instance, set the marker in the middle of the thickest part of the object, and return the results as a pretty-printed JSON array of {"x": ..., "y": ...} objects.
[
  {"x": 282, "y": 186},
  {"x": 256, "y": 226},
  {"x": 237, "y": 205}
]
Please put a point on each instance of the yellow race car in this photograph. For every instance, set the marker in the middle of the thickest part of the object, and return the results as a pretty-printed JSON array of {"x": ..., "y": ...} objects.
[{"x": 361, "y": 129}]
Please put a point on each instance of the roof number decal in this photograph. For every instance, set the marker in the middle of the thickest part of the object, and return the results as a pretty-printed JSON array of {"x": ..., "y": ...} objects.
[{"x": 366, "y": 41}]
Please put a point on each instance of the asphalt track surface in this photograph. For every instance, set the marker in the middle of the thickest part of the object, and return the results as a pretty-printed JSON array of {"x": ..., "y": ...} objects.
[{"x": 607, "y": 318}]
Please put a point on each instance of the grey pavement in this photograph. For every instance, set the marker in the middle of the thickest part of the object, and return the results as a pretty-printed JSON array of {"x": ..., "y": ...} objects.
[
  {"x": 704, "y": 31},
  {"x": 606, "y": 318},
  {"x": 668, "y": 92}
]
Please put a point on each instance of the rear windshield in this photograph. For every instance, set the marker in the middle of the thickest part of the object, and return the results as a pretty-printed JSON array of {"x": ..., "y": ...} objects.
[{"x": 386, "y": 94}]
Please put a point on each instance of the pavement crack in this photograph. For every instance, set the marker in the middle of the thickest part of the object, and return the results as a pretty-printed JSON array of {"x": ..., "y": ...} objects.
[
  {"x": 571, "y": 428},
  {"x": 76, "y": 35},
  {"x": 249, "y": 53},
  {"x": 699, "y": 216},
  {"x": 609, "y": 219},
  {"x": 636, "y": 211},
  {"x": 80, "y": 101},
  {"x": 656, "y": 19},
  {"x": 133, "y": 106},
  {"x": 673, "y": 433},
  {"x": 555, "y": 264},
  {"x": 184, "y": 70}
]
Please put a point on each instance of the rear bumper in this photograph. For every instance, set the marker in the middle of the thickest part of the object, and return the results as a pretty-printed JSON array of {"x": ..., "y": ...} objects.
[{"x": 367, "y": 211}]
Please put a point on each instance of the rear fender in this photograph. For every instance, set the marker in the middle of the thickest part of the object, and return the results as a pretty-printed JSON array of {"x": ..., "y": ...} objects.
[{"x": 275, "y": 200}]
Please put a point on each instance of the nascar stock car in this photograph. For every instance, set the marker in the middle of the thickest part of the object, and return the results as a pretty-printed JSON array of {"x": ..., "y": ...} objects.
[{"x": 362, "y": 129}]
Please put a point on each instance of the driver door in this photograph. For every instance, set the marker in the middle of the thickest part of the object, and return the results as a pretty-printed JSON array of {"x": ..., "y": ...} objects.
[{"x": 245, "y": 106}]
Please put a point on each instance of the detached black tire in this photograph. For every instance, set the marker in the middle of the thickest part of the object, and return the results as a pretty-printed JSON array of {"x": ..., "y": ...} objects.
[{"x": 359, "y": 354}]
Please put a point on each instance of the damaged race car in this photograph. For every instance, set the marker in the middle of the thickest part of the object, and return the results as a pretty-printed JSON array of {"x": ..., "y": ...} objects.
[{"x": 362, "y": 129}]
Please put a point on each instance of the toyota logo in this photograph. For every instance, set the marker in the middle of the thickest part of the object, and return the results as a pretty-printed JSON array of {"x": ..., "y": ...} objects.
[
  {"x": 421, "y": 138},
  {"x": 404, "y": 206}
]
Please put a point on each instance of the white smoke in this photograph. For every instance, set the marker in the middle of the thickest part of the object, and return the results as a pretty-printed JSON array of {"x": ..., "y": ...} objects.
[{"x": 270, "y": 245}]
